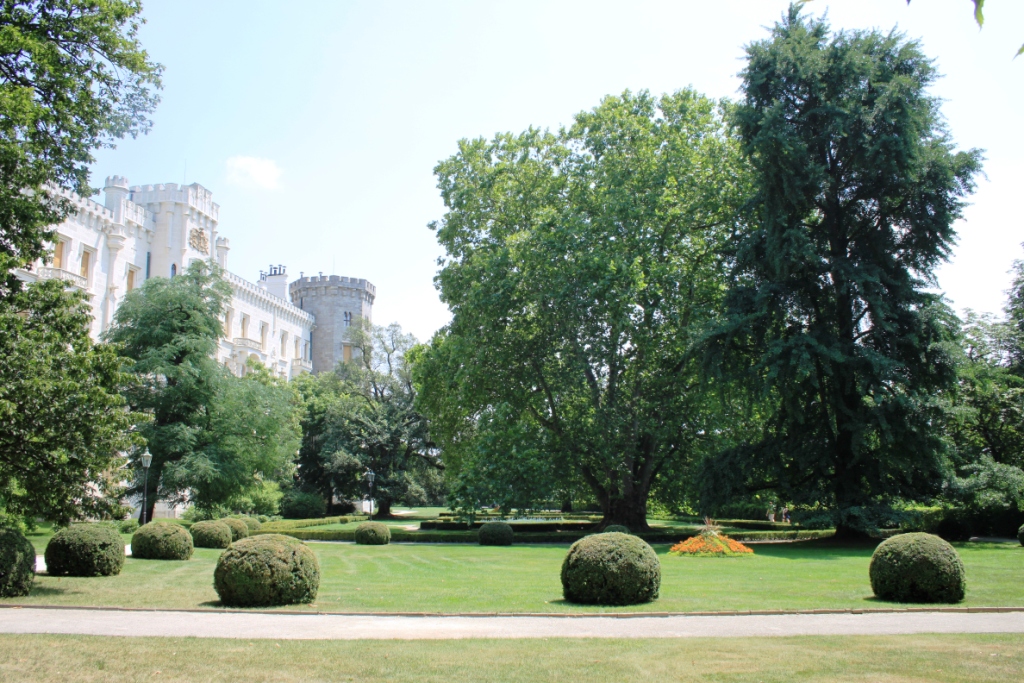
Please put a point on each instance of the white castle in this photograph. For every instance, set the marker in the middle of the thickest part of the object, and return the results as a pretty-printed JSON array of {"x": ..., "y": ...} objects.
[{"x": 109, "y": 249}]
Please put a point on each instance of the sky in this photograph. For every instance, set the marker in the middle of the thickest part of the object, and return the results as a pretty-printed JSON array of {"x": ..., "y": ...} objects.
[{"x": 317, "y": 125}]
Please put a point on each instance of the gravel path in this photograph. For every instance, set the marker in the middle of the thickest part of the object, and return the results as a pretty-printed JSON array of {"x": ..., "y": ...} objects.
[{"x": 344, "y": 627}]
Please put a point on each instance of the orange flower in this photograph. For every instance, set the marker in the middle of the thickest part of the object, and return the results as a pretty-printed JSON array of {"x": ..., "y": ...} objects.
[{"x": 709, "y": 544}]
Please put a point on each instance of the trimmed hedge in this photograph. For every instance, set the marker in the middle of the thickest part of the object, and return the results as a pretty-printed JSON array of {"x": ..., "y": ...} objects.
[
  {"x": 239, "y": 529},
  {"x": 85, "y": 550},
  {"x": 162, "y": 541},
  {"x": 616, "y": 529},
  {"x": 611, "y": 569},
  {"x": 211, "y": 533},
  {"x": 128, "y": 526},
  {"x": 265, "y": 570},
  {"x": 17, "y": 563},
  {"x": 496, "y": 533},
  {"x": 252, "y": 523},
  {"x": 289, "y": 524},
  {"x": 917, "y": 567},
  {"x": 373, "y": 533},
  {"x": 403, "y": 536}
]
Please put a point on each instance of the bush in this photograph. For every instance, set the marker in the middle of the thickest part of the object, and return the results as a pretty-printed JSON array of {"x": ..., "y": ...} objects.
[
  {"x": 496, "y": 533},
  {"x": 302, "y": 505},
  {"x": 1020, "y": 534},
  {"x": 373, "y": 533},
  {"x": 239, "y": 529},
  {"x": 85, "y": 550},
  {"x": 252, "y": 523},
  {"x": 128, "y": 526},
  {"x": 917, "y": 567},
  {"x": 162, "y": 541},
  {"x": 611, "y": 569},
  {"x": 264, "y": 570},
  {"x": 17, "y": 563},
  {"x": 616, "y": 529},
  {"x": 211, "y": 534}
]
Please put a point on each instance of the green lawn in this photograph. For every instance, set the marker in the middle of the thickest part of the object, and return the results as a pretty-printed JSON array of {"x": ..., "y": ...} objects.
[
  {"x": 889, "y": 659},
  {"x": 44, "y": 532},
  {"x": 470, "y": 578}
]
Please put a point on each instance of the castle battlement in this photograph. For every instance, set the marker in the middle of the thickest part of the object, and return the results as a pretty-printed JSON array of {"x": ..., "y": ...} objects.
[
  {"x": 195, "y": 196},
  {"x": 315, "y": 282}
]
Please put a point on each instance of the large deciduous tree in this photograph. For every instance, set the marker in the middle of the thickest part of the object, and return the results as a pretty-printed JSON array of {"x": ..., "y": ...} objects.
[
  {"x": 363, "y": 417},
  {"x": 829, "y": 319},
  {"x": 579, "y": 268},
  {"x": 212, "y": 435}
]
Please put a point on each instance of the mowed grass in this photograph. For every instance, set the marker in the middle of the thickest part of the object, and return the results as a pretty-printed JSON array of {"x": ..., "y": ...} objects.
[
  {"x": 889, "y": 659},
  {"x": 521, "y": 578}
]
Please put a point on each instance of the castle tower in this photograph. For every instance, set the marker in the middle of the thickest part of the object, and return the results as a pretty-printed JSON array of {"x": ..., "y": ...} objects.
[{"x": 337, "y": 303}]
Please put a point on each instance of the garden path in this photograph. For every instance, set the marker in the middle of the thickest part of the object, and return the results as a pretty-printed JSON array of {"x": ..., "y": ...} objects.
[{"x": 209, "y": 624}]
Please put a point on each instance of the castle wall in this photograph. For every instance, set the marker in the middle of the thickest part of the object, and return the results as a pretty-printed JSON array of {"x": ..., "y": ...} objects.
[{"x": 338, "y": 304}]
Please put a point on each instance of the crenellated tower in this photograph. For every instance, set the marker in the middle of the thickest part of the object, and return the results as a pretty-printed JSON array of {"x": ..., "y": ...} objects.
[{"x": 337, "y": 303}]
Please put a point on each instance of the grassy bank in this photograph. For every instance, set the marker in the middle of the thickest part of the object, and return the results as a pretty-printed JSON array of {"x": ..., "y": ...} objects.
[
  {"x": 946, "y": 658},
  {"x": 469, "y": 578}
]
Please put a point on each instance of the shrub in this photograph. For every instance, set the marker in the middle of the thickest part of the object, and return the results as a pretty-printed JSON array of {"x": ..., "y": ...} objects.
[
  {"x": 1020, "y": 534},
  {"x": 373, "y": 533},
  {"x": 611, "y": 569},
  {"x": 496, "y": 533},
  {"x": 128, "y": 526},
  {"x": 269, "y": 569},
  {"x": 162, "y": 541},
  {"x": 211, "y": 534},
  {"x": 917, "y": 567},
  {"x": 17, "y": 563},
  {"x": 239, "y": 529},
  {"x": 252, "y": 523},
  {"x": 302, "y": 505},
  {"x": 616, "y": 529},
  {"x": 85, "y": 550}
]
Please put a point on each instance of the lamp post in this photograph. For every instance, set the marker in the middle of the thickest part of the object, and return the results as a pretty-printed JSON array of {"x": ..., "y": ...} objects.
[
  {"x": 370, "y": 476},
  {"x": 147, "y": 460}
]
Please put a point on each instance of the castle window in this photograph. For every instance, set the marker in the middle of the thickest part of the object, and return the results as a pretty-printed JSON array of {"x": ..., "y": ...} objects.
[
  {"x": 174, "y": 269},
  {"x": 348, "y": 319},
  {"x": 297, "y": 348},
  {"x": 227, "y": 322},
  {"x": 130, "y": 285},
  {"x": 245, "y": 326},
  {"x": 263, "y": 336},
  {"x": 59, "y": 251},
  {"x": 86, "y": 269},
  {"x": 284, "y": 344}
]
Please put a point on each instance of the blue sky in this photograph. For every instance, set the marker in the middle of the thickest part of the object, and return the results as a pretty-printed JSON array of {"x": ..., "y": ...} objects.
[{"x": 317, "y": 125}]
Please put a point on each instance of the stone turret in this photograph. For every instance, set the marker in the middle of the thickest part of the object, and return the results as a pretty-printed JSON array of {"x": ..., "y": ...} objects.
[{"x": 338, "y": 303}]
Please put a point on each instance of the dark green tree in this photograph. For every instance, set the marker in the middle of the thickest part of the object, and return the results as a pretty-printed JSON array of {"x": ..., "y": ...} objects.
[
  {"x": 363, "y": 417},
  {"x": 579, "y": 269},
  {"x": 829, "y": 320},
  {"x": 212, "y": 436},
  {"x": 73, "y": 78}
]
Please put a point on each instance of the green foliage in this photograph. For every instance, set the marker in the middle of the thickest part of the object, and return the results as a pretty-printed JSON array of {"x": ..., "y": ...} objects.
[
  {"x": 829, "y": 323},
  {"x": 580, "y": 268},
  {"x": 85, "y": 550},
  {"x": 917, "y": 568},
  {"x": 616, "y": 529},
  {"x": 496, "y": 533},
  {"x": 17, "y": 563},
  {"x": 362, "y": 416},
  {"x": 162, "y": 541},
  {"x": 251, "y": 523},
  {"x": 372, "y": 533},
  {"x": 239, "y": 529},
  {"x": 211, "y": 534},
  {"x": 611, "y": 569},
  {"x": 128, "y": 526},
  {"x": 267, "y": 570},
  {"x": 73, "y": 78},
  {"x": 299, "y": 504},
  {"x": 62, "y": 419},
  {"x": 213, "y": 436}
]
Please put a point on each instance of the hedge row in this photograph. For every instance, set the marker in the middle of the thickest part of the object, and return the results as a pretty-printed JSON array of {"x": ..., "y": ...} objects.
[
  {"x": 291, "y": 524},
  {"x": 523, "y": 527},
  {"x": 402, "y": 536}
]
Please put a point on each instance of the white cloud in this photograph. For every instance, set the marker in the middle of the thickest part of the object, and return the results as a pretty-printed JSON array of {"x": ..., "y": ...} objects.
[{"x": 253, "y": 172}]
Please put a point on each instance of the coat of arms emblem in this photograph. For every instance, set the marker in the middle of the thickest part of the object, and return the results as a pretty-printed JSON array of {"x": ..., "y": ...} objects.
[{"x": 198, "y": 240}]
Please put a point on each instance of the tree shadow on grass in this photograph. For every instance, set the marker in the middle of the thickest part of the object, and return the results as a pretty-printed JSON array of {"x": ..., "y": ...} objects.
[{"x": 48, "y": 591}]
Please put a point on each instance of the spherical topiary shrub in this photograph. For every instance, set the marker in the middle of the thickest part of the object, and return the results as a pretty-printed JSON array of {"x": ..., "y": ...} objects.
[
  {"x": 616, "y": 529},
  {"x": 128, "y": 526},
  {"x": 162, "y": 541},
  {"x": 211, "y": 534},
  {"x": 269, "y": 569},
  {"x": 239, "y": 529},
  {"x": 496, "y": 533},
  {"x": 373, "y": 533},
  {"x": 611, "y": 569},
  {"x": 17, "y": 563},
  {"x": 917, "y": 568},
  {"x": 252, "y": 523},
  {"x": 85, "y": 550},
  {"x": 1020, "y": 534}
]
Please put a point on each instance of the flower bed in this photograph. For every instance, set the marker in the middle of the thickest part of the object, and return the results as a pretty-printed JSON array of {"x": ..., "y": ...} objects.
[{"x": 708, "y": 545}]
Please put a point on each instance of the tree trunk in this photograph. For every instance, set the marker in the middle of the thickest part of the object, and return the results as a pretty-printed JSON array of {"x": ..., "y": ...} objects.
[
  {"x": 383, "y": 509},
  {"x": 629, "y": 511}
]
